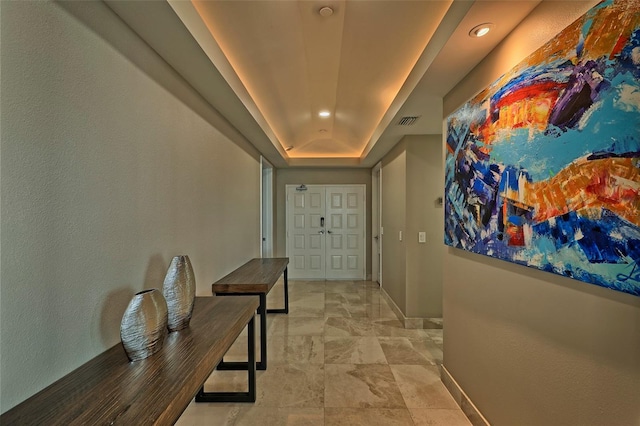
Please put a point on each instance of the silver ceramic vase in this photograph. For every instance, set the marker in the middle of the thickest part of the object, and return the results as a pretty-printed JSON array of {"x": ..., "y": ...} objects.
[
  {"x": 144, "y": 324},
  {"x": 179, "y": 290}
]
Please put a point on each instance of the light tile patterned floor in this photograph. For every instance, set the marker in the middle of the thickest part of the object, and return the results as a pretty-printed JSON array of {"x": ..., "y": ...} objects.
[{"x": 340, "y": 357}]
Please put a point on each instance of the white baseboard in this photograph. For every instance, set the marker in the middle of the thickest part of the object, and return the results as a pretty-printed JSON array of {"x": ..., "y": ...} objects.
[
  {"x": 466, "y": 405},
  {"x": 412, "y": 323}
]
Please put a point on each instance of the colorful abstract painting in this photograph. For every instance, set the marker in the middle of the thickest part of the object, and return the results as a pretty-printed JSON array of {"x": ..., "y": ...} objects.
[{"x": 543, "y": 166}]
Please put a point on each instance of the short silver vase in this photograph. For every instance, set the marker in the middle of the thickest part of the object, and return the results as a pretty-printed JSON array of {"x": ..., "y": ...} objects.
[
  {"x": 144, "y": 324},
  {"x": 179, "y": 290}
]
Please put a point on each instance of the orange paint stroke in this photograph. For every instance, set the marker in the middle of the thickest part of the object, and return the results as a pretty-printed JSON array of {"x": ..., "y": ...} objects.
[{"x": 588, "y": 185}]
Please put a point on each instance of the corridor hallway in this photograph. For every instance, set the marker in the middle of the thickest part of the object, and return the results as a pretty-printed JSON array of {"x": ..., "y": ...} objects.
[{"x": 340, "y": 357}]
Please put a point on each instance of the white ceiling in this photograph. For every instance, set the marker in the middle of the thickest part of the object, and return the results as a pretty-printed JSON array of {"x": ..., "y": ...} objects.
[{"x": 269, "y": 66}]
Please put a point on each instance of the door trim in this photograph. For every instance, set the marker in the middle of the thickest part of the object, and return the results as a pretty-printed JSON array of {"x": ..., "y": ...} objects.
[
  {"x": 289, "y": 187},
  {"x": 376, "y": 223},
  {"x": 266, "y": 208}
]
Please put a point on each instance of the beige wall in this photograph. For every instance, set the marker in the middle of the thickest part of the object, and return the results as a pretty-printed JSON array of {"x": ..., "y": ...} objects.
[
  {"x": 106, "y": 174},
  {"x": 425, "y": 181},
  {"x": 319, "y": 176},
  {"x": 394, "y": 216},
  {"x": 412, "y": 180},
  {"x": 529, "y": 347}
]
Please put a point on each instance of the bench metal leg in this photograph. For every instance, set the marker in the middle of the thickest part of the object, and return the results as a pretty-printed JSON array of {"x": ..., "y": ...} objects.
[
  {"x": 250, "y": 395},
  {"x": 262, "y": 364},
  {"x": 286, "y": 297}
]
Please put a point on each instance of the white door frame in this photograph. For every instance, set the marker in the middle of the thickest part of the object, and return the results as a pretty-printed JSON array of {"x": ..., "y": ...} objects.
[
  {"x": 266, "y": 208},
  {"x": 376, "y": 225},
  {"x": 291, "y": 187}
]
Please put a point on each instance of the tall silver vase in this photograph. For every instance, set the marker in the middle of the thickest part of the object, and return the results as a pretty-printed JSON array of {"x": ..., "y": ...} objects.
[
  {"x": 179, "y": 290},
  {"x": 144, "y": 324}
]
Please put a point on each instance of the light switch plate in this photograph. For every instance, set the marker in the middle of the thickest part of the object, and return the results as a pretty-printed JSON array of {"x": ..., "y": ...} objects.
[
  {"x": 422, "y": 237},
  {"x": 400, "y": 235}
]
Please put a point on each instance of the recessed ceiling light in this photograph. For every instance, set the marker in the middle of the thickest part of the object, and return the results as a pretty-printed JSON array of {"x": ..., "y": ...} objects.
[
  {"x": 481, "y": 30},
  {"x": 324, "y": 113}
]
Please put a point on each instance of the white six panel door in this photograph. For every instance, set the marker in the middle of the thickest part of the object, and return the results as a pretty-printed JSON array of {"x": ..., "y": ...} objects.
[
  {"x": 325, "y": 232},
  {"x": 345, "y": 232},
  {"x": 306, "y": 242}
]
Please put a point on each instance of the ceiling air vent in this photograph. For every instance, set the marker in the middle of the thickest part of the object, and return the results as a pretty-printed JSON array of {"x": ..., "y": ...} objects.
[{"x": 408, "y": 120}]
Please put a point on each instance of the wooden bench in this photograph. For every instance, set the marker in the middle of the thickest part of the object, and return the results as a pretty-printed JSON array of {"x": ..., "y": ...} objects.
[
  {"x": 109, "y": 389},
  {"x": 256, "y": 277}
]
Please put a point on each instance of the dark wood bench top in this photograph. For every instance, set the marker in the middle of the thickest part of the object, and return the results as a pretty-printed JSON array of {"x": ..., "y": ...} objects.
[
  {"x": 255, "y": 276},
  {"x": 111, "y": 390}
]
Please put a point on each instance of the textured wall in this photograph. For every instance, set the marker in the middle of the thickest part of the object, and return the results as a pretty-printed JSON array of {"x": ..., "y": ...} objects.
[
  {"x": 529, "y": 347},
  {"x": 107, "y": 171}
]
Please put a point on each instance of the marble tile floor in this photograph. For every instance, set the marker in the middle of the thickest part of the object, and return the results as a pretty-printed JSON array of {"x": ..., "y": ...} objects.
[{"x": 341, "y": 357}]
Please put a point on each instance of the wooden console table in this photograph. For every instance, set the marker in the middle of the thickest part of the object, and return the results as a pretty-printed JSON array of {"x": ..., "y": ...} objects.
[
  {"x": 256, "y": 277},
  {"x": 110, "y": 390}
]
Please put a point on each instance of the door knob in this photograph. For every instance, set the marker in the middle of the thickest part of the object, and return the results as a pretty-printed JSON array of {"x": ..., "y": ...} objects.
[
  {"x": 329, "y": 232},
  {"x": 321, "y": 231}
]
